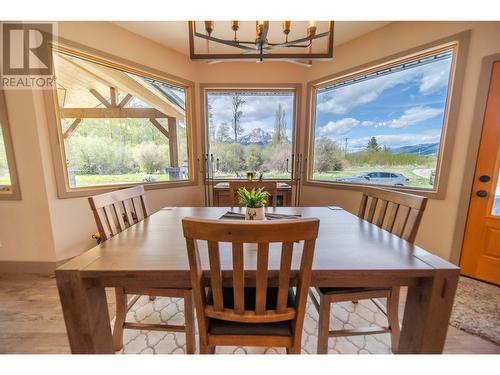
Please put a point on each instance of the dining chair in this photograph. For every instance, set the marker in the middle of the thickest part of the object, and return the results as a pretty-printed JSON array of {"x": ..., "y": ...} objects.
[
  {"x": 398, "y": 213},
  {"x": 240, "y": 307},
  {"x": 114, "y": 212},
  {"x": 270, "y": 186}
]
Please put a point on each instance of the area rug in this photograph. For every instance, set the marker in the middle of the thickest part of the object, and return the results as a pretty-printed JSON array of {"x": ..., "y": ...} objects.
[
  {"x": 476, "y": 309},
  {"x": 170, "y": 310}
]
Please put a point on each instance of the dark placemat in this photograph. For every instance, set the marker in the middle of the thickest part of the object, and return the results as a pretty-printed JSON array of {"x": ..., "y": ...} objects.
[{"x": 269, "y": 216}]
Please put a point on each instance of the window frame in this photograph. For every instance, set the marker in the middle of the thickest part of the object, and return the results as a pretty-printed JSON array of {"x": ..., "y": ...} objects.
[
  {"x": 14, "y": 191},
  {"x": 459, "y": 44},
  {"x": 206, "y": 88},
  {"x": 64, "y": 190}
]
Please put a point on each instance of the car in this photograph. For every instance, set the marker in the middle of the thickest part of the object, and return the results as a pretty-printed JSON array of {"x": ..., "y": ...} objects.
[{"x": 378, "y": 178}]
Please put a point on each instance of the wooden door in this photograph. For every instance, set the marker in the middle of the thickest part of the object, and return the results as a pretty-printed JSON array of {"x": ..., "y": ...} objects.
[{"x": 481, "y": 249}]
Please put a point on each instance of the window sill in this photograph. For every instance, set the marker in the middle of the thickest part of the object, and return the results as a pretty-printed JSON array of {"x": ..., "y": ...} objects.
[
  {"x": 94, "y": 190},
  {"x": 431, "y": 194}
]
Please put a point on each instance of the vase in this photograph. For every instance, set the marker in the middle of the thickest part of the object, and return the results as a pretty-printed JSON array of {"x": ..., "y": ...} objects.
[{"x": 255, "y": 213}]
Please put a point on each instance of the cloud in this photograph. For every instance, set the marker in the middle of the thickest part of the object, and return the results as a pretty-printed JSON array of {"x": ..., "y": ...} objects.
[
  {"x": 258, "y": 110},
  {"x": 342, "y": 100},
  {"x": 340, "y": 127},
  {"x": 413, "y": 116},
  {"x": 396, "y": 140},
  {"x": 435, "y": 77}
]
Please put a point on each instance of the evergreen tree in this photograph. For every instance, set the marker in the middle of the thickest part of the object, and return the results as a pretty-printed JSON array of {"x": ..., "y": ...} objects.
[{"x": 373, "y": 145}]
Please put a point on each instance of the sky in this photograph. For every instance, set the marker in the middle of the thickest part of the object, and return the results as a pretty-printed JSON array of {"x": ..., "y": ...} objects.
[
  {"x": 258, "y": 111},
  {"x": 400, "y": 109}
]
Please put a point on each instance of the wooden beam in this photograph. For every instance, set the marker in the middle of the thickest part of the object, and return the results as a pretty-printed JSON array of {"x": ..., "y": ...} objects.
[
  {"x": 125, "y": 101},
  {"x": 172, "y": 142},
  {"x": 113, "y": 95},
  {"x": 111, "y": 113},
  {"x": 158, "y": 126},
  {"x": 101, "y": 98},
  {"x": 68, "y": 133},
  {"x": 136, "y": 87}
]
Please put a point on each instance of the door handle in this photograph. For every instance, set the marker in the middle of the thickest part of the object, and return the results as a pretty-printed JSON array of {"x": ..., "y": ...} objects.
[
  {"x": 482, "y": 193},
  {"x": 484, "y": 178}
]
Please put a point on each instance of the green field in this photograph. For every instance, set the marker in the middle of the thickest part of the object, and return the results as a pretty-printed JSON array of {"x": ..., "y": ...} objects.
[
  {"x": 5, "y": 180},
  {"x": 98, "y": 179}
]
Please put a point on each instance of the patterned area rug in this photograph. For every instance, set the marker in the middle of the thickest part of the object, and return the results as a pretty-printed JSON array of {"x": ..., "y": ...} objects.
[
  {"x": 344, "y": 315},
  {"x": 476, "y": 309}
]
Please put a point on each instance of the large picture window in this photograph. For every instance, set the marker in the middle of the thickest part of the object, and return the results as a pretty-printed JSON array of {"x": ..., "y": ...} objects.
[
  {"x": 251, "y": 131},
  {"x": 119, "y": 127},
  {"x": 383, "y": 126},
  {"x": 9, "y": 186}
]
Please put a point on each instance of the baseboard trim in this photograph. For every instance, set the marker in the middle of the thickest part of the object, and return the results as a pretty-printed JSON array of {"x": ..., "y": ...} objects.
[{"x": 45, "y": 268}]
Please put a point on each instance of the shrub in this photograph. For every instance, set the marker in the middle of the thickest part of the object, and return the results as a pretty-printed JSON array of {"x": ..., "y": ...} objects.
[
  {"x": 276, "y": 157},
  {"x": 328, "y": 156},
  {"x": 152, "y": 158},
  {"x": 254, "y": 158}
]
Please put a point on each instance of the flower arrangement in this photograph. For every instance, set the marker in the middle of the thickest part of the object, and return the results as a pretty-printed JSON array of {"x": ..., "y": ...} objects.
[{"x": 253, "y": 199}]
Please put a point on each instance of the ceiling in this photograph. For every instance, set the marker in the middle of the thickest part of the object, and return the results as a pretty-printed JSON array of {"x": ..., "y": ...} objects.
[{"x": 174, "y": 34}]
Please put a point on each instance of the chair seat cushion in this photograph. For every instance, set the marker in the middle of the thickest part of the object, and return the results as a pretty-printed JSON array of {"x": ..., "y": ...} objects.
[
  {"x": 348, "y": 290},
  {"x": 224, "y": 327}
]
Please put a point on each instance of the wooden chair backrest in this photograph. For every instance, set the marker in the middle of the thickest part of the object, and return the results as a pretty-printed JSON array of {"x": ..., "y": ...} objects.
[
  {"x": 239, "y": 233},
  {"x": 270, "y": 186},
  {"x": 116, "y": 211},
  {"x": 396, "y": 212}
]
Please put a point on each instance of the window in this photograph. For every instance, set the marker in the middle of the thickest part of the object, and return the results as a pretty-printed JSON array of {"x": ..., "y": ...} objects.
[
  {"x": 9, "y": 187},
  {"x": 251, "y": 131},
  {"x": 383, "y": 126},
  {"x": 119, "y": 127}
]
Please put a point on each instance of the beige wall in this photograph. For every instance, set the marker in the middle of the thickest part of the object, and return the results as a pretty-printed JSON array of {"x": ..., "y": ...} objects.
[{"x": 42, "y": 227}]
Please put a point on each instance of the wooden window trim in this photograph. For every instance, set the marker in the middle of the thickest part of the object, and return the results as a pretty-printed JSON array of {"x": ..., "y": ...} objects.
[
  {"x": 460, "y": 44},
  {"x": 14, "y": 191},
  {"x": 55, "y": 129},
  {"x": 206, "y": 88}
]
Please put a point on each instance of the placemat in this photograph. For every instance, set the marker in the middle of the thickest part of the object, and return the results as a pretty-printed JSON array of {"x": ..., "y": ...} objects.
[{"x": 269, "y": 216}]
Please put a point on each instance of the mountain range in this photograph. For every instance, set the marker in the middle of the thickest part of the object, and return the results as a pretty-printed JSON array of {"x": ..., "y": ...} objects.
[
  {"x": 420, "y": 149},
  {"x": 261, "y": 137},
  {"x": 257, "y": 136}
]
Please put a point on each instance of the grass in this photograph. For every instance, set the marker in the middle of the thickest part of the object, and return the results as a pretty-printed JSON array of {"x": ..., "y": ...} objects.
[
  {"x": 93, "y": 180},
  {"x": 5, "y": 180},
  {"x": 100, "y": 179},
  {"x": 415, "y": 180}
]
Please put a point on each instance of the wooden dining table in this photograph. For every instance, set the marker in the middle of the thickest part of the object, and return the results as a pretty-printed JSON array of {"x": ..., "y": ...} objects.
[{"x": 350, "y": 252}]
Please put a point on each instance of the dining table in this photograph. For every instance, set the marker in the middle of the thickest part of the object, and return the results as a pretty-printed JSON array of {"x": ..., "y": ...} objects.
[{"x": 350, "y": 252}]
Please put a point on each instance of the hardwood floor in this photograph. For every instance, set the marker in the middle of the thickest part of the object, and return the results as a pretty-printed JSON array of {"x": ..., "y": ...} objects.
[{"x": 31, "y": 319}]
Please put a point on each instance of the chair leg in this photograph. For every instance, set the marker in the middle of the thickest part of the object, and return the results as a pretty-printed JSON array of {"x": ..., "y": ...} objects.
[
  {"x": 207, "y": 349},
  {"x": 393, "y": 317},
  {"x": 189, "y": 321},
  {"x": 293, "y": 350},
  {"x": 121, "y": 313},
  {"x": 323, "y": 324}
]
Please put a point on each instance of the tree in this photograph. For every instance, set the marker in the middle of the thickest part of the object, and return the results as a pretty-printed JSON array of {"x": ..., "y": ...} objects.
[
  {"x": 328, "y": 156},
  {"x": 238, "y": 102},
  {"x": 373, "y": 145},
  {"x": 279, "y": 135},
  {"x": 222, "y": 132},
  {"x": 211, "y": 126},
  {"x": 254, "y": 158}
]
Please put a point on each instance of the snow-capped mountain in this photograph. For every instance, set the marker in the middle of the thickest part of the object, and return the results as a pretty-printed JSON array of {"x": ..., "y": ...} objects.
[{"x": 257, "y": 136}]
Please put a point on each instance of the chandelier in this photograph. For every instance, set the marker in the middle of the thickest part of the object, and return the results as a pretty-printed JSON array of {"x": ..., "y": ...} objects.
[{"x": 222, "y": 40}]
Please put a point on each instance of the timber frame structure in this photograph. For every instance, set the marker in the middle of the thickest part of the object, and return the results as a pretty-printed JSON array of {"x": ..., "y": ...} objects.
[{"x": 127, "y": 83}]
